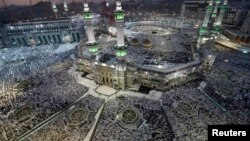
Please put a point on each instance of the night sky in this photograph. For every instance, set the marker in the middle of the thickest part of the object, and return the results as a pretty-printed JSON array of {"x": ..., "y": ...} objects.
[{"x": 25, "y": 2}]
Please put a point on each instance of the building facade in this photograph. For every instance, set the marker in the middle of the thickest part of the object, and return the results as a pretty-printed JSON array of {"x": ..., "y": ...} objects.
[
  {"x": 110, "y": 67},
  {"x": 136, "y": 76},
  {"x": 240, "y": 34},
  {"x": 194, "y": 8},
  {"x": 2, "y": 45},
  {"x": 37, "y": 33}
]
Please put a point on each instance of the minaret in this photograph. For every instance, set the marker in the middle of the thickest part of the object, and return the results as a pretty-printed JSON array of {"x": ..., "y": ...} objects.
[
  {"x": 217, "y": 24},
  {"x": 119, "y": 17},
  {"x": 93, "y": 47},
  {"x": 54, "y": 8},
  {"x": 217, "y": 3},
  {"x": 209, "y": 9},
  {"x": 65, "y": 6},
  {"x": 121, "y": 48},
  {"x": 183, "y": 7},
  {"x": 223, "y": 9}
]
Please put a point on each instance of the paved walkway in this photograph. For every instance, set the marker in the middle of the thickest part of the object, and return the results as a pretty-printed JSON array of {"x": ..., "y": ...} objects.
[
  {"x": 91, "y": 85},
  {"x": 97, "y": 118}
]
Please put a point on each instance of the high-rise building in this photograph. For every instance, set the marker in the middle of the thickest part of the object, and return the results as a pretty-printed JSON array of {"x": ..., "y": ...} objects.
[
  {"x": 194, "y": 8},
  {"x": 41, "y": 32},
  {"x": 246, "y": 24}
]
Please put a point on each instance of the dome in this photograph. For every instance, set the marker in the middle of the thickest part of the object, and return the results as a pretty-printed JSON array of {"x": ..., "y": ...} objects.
[
  {"x": 146, "y": 43},
  {"x": 134, "y": 42}
]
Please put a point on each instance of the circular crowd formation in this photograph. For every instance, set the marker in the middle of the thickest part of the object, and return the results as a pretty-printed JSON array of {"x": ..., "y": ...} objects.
[{"x": 129, "y": 116}]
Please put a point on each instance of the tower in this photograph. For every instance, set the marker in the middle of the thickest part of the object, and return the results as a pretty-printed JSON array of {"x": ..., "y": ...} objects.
[
  {"x": 65, "y": 6},
  {"x": 183, "y": 7},
  {"x": 92, "y": 45},
  {"x": 223, "y": 9},
  {"x": 246, "y": 24},
  {"x": 209, "y": 9},
  {"x": 121, "y": 48},
  {"x": 119, "y": 18},
  {"x": 217, "y": 3},
  {"x": 54, "y": 8}
]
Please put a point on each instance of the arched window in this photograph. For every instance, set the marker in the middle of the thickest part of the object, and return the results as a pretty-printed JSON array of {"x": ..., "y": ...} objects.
[
  {"x": 54, "y": 38},
  {"x": 74, "y": 37},
  {"x": 45, "y": 40},
  {"x": 59, "y": 38},
  {"x": 24, "y": 42},
  {"x": 78, "y": 37},
  {"x": 19, "y": 41},
  {"x": 237, "y": 39}
]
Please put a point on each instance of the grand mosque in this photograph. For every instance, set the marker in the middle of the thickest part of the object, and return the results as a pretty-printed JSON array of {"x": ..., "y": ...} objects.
[{"x": 151, "y": 54}]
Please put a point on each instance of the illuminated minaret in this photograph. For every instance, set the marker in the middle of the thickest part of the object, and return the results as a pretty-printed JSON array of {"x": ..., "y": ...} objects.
[
  {"x": 54, "y": 8},
  {"x": 119, "y": 17},
  {"x": 217, "y": 3},
  {"x": 209, "y": 10},
  {"x": 65, "y": 6},
  {"x": 121, "y": 48},
  {"x": 203, "y": 30},
  {"x": 223, "y": 9},
  {"x": 93, "y": 46}
]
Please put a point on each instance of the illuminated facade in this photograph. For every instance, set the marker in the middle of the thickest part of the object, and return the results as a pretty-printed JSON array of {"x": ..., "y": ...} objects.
[
  {"x": 37, "y": 33},
  {"x": 212, "y": 23},
  {"x": 112, "y": 68}
]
